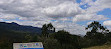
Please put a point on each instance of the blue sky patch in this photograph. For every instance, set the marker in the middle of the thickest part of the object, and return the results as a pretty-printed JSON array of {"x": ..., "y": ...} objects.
[
  {"x": 93, "y": 0},
  {"x": 53, "y": 20},
  {"x": 106, "y": 12},
  {"x": 78, "y": 1},
  {"x": 83, "y": 22},
  {"x": 85, "y": 6}
]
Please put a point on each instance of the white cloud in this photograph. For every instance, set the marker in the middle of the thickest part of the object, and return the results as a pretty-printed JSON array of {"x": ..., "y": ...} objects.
[
  {"x": 73, "y": 28},
  {"x": 89, "y": 23},
  {"x": 8, "y": 16},
  {"x": 39, "y": 12},
  {"x": 98, "y": 5},
  {"x": 51, "y": 9},
  {"x": 34, "y": 8},
  {"x": 1, "y": 20},
  {"x": 63, "y": 10},
  {"x": 91, "y": 12},
  {"x": 107, "y": 23},
  {"x": 41, "y": 8},
  {"x": 84, "y": 17}
]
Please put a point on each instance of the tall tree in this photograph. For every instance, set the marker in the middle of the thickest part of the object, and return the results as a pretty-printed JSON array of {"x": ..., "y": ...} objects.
[
  {"x": 96, "y": 33},
  {"x": 47, "y": 28},
  {"x": 95, "y": 26},
  {"x": 50, "y": 27},
  {"x": 44, "y": 30}
]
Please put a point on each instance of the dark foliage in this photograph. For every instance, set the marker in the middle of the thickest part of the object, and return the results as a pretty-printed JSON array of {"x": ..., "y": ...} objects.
[{"x": 98, "y": 35}]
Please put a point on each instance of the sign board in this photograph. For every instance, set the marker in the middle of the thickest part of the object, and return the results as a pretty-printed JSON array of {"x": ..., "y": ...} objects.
[{"x": 36, "y": 45}]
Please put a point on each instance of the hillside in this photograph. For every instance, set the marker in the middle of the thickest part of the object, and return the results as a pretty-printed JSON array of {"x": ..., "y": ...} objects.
[{"x": 19, "y": 28}]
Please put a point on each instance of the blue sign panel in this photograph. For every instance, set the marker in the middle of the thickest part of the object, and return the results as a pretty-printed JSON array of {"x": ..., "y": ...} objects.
[
  {"x": 37, "y": 45},
  {"x": 31, "y": 48}
]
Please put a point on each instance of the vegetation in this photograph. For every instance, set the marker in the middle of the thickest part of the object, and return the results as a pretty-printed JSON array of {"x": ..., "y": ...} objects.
[
  {"x": 100, "y": 47},
  {"x": 97, "y": 35}
]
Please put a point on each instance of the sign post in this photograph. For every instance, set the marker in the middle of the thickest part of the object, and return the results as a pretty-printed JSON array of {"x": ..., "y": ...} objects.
[{"x": 35, "y": 45}]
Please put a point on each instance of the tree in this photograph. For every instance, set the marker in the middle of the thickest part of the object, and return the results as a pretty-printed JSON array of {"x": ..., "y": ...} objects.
[
  {"x": 67, "y": 40},
  {"x": 97, "y": 33},
  {"x": 62, "y": 36},
  {"x": 95, "y": 26},
  {"x": 47, "y": 28},
  {"x": 44, "y": 30},
  {"x": 51, "y": 27},
  {"x": 108, "y": 37}
]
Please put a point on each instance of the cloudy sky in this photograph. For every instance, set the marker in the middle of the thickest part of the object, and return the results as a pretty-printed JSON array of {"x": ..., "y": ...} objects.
[{"x": 70, "y": 15}]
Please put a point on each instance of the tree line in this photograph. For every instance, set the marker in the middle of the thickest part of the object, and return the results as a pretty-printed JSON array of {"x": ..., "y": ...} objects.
[{"x": 96, "y": 35}]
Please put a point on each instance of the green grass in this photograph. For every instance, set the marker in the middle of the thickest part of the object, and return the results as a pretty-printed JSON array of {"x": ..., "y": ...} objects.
[{"x": 100, "y": 47}]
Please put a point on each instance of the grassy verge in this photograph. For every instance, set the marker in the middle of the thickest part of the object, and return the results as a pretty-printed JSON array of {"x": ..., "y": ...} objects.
[{"x": 100, "y": 47}]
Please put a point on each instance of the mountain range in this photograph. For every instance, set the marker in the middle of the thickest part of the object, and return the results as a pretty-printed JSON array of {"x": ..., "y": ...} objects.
[{"x": 19, "y": 28}]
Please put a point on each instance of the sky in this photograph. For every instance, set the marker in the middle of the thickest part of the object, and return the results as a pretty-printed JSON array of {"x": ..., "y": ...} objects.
[{"x": 70, "y": 15}]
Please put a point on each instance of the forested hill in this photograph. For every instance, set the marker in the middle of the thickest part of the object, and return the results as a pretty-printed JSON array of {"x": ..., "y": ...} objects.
[{"x": 19, "y": 28}]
